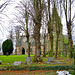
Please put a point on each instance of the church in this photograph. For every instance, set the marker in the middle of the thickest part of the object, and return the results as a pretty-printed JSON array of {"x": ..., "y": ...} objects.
[{"x": 22, "y": 47}]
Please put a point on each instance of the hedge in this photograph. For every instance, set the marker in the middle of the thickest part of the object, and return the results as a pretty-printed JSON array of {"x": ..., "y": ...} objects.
[{"x": 33, "y": 68}]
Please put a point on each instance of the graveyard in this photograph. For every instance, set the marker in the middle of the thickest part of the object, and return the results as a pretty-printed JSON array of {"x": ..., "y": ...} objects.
[
  {"x": 7, "y": 66},
  {"x": 37, "y": 37},
  {"x": 9, "y": 60}
]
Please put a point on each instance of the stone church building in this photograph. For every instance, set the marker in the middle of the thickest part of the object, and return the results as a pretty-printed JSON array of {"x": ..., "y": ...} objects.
[{"x": 22, "y": 47}]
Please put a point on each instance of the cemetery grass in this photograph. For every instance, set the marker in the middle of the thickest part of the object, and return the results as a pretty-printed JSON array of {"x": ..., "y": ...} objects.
[
  {"x": 9, "y": 60},
  {"x": 12, "y": 58}
]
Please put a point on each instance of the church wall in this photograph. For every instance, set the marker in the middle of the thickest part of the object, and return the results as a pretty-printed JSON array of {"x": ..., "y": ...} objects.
[{"x": 60, "y": 46}]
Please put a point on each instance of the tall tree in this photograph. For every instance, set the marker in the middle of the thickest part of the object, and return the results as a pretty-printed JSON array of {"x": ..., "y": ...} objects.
[
  {"x": 58, "y": 26},
  {"x": 44, "y": 55},
  {"x": 67, "y": 10},
  {"x": 27, "y": 32},
  {"x": 50, "y": 29},
  {"x": 23, "y": 20},
  {"x": 37, "y": 7}
]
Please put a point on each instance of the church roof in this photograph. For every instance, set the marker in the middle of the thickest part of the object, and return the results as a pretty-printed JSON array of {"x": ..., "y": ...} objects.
[
  {"x": 19, "y": 43},
  {"x": 32, "y": 41}
]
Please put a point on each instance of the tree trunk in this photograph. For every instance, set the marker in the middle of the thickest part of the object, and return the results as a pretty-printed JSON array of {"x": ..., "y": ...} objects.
[
  {"x": 70, "y": 40},
  {"x": 69, "y": 25},
  {"x": 51, "y": 51},
  {"x": 50, "y": 30},
  {"x": 28, "y": 46},
  {"x": 57, "y": 45},
  {"x": 44, "y": 55},
  {"x": 37, "y": 42}
]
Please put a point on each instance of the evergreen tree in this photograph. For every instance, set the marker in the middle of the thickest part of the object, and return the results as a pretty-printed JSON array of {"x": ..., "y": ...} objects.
[{"x": 7, "y": 47}]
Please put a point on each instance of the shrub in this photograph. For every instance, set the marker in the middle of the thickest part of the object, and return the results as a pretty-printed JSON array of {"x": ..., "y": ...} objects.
[
  {"x": 33, "y": 68},
  {"x": 7, "y": 47}
]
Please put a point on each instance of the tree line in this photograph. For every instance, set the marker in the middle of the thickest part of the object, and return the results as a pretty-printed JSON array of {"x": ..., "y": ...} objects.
[{"x": 34, "y": 14}]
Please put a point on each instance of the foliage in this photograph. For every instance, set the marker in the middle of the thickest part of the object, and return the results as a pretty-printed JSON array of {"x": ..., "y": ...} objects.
[
  {"x": 66, "y": 39},
  {"x": 14, "y": 68},
  {"x": 37, "y": 59},
  {"x": 33, "y": 68},
  {"x": 7, "y": 47},
  {"x": 61, "y": 55},
  {"x": 67, "y": 55}
]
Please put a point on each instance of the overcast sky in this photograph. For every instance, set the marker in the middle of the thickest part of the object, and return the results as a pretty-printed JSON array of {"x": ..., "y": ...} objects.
[{"x": 9, "y": 12}]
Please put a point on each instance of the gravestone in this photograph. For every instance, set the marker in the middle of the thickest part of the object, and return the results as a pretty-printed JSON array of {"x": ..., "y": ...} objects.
[
  {"x": 50, "y": 59},
  {"x": 17, "y": 63},
  {"x": 28, "y": 60}
]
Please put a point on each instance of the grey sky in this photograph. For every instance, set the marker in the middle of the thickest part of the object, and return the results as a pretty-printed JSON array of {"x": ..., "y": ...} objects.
[{"x": 9, "y": 12}]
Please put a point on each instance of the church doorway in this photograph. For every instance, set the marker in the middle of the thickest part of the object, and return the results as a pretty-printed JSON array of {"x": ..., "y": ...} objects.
[{"x": 23, "y": 51}]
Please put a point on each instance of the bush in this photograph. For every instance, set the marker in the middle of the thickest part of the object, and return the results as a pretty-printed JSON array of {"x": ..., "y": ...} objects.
[
  {"x": 13, "y": 68},
  {"x": 7, "y": 47},
  {"x": 33, "y": 68}
]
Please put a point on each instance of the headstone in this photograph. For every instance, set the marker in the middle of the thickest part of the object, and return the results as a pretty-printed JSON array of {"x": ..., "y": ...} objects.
[
  {"x": 50, "y": 59},
  {"x": 17, "y": 63},
  {"x": 28, "y": 60}
]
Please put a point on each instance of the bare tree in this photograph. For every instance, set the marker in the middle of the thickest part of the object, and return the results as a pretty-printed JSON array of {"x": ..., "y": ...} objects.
[
  {"x": 50, "y": 28},
  {"x": 23, "y": 19},
  {"x": 68, "y": 12},
  {"x": 3, "y": 6},
  {"x": 35, "y": 10},
  {"x": 44, "y": 55}
]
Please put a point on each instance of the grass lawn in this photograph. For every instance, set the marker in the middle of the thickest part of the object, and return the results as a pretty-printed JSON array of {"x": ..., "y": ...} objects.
[{"x": 12, "y": 58}]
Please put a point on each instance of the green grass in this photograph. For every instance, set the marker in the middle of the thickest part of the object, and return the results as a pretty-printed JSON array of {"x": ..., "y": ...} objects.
[
  {"x": 12, "y": 58},
  {"x": 71, "y": 72}
]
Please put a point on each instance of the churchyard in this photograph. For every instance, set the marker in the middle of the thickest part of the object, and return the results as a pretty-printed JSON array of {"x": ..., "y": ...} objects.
[
  {"x": 9, "y": 60},
  {"x": 37, "y": 37},
  {"x": 7, "y": 66}
]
